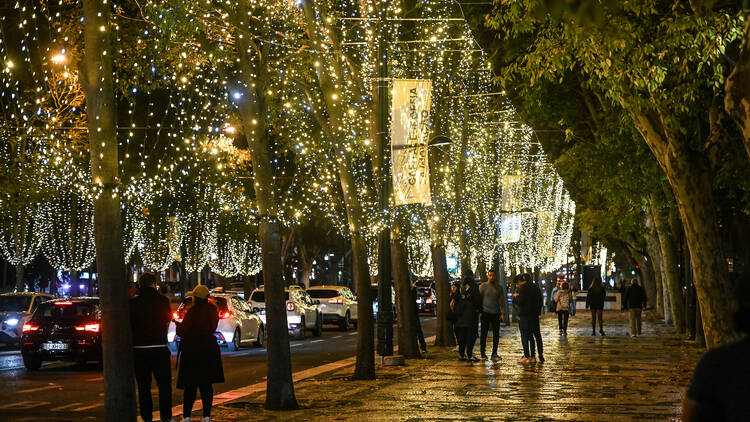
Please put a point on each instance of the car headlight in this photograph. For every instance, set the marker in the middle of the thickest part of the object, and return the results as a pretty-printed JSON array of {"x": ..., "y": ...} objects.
[{"x": 11, "y": 322}]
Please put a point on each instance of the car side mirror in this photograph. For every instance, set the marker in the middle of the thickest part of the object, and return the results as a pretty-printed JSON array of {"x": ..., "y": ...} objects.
[{"x": 256, "y": 310}]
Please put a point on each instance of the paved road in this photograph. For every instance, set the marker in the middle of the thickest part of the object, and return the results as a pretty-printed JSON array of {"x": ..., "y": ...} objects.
[{"x": 65, "y": 391}]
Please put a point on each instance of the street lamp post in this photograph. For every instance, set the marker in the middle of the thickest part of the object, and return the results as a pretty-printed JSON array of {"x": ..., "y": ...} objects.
[{"x": 385, "y": 309}]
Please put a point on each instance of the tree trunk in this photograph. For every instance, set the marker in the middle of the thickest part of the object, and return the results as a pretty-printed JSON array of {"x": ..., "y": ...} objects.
[
  {"x": 444, "y": 335},
  {"x": 252, "y": 111},
  {"x": 670, "y": 261},
  {"x": 97, "y": 76},
  {"x": 20, "y": 284},
  {"x": 689, "y": 175},
  {"x": 654, "y": 252},
  {"x": 737, "y": 88},
  {"x": 365, "y": 364},
  {"x": 407, "y": 317},
  {"x": 279, "y": 386}
]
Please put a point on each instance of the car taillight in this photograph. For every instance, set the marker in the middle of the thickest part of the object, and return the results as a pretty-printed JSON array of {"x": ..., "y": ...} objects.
[
  {"x": 29, "y": 327},
  {"x": 290, "y": 306},
  {"x": 226, "y": 314},
  {"x": 64, "y": 303},
  {"x": 92, "y": 328},
  {"x": 335, "y": 301},
  {"x": 428, "y": 300}
]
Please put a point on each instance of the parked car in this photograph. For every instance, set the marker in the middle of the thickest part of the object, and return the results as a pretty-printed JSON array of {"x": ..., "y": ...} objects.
[
  {"x": 238, "y": 324},
  {"x": 338, "y": 304},
  {"x": 426, "y": 300},
  {"x": 302, "y": 313},
  {"x": 16, "y": 310},
  {"x": 65, "y": 329}
]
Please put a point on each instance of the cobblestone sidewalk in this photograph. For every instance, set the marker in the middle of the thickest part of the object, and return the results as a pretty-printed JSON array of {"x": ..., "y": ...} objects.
[{"x": 585, "y": 378}]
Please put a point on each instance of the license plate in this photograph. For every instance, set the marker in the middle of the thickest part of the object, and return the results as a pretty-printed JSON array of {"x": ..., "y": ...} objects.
[{"x": 55, "y": 346}]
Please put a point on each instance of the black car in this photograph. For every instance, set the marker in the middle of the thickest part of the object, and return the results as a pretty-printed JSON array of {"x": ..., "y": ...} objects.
[
  {"x": 426, "y": 300},
  {"x": 67, "y": 329}
]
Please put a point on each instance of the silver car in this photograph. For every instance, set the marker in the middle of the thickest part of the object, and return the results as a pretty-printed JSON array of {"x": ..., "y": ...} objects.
[
  {"x": 302, "y": 313},
  {"x": 15, "y": 310}
]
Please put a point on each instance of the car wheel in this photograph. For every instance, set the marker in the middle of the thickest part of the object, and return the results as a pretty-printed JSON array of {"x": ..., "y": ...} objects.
[
  {"x": 32, "y": 363},
  {"x": 344, "y": 322},
  {"x": 318, "y": 330},
  {"x": 300, "y": 334},
  {"x": 235, "y": 344},
  {"x": 261, "y": 337}
]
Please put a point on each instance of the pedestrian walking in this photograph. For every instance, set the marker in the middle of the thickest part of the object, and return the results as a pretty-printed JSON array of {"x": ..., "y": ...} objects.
[
  {"x": 200, "y": 364},
  {"x": 418, "y": 323},
  {"x": 595, "y": 301},
  {"x": 530, "y": 302},
  {"x": 635, "y": 302},
  {"x": 492, "y": 313},
  {"x": 466, "y": 310},
  {"x": 573, "y": 294},
  {"x": 562, "y": 299},
  {"x": 150, "y": 314}
]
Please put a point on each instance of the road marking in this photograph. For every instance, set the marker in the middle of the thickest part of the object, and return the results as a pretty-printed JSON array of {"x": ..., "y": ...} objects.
[
  {"x": 335, "y": 337},
  {"x": 95, "y": 379},
  {"x": 316, "y": 341},
  {"x": 10, "y": 352},
  {"x": 261, "y": 386},
  {"x": 79, "y": 409},
  {"x": 58, "y": 408},
  {"x": 26, "y": 404},
  {"x": 46, "y": 387}
]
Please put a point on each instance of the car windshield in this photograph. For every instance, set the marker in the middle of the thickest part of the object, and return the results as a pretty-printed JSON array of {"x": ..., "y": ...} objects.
[
  {"x": 323, "y": 293},
  {"x": 67, "y": 310},
  {"x": 14, "y": 303},
  {"x": 424, "y": 292},
  {"x": 424, "y": 283}
]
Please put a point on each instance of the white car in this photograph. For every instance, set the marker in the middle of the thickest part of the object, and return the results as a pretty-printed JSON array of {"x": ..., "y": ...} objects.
[
  {"x": 301, "y": 312},
  {"x": 338, "y": 304},
  {"x": 15, "y": 310},
  {"x": 238, "y": 324}
]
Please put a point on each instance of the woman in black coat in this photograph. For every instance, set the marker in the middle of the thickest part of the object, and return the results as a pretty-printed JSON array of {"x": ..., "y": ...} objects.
[
  {"x": 466, "y": 310},
  {"x": 595, "y": 301},
  {"x": 200, "y": 358}
]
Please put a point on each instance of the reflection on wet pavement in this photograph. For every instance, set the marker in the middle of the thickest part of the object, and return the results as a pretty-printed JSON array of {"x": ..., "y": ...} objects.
[{"x": 585, "y": 377}]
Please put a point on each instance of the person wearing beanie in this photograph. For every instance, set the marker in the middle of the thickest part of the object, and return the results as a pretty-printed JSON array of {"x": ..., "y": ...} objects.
[{"x": 200, "y": 363}]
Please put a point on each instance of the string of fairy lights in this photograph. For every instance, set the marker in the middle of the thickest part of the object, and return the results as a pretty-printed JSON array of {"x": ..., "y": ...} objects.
[{"x": 187, "y": 185}]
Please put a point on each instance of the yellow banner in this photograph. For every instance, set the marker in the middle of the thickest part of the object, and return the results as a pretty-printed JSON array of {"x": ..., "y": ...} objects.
[{"x": 410, "y": 133}]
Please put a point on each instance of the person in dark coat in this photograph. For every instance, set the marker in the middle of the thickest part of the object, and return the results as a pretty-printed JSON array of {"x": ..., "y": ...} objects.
[
  {"x": 529, "y": 300},
  {"x": 200, "y": 361},
  {"x": 635, "y": 302},
  {"x": 417, "y": 322},
  {"x": 466, "y": 310},
  {"x": 150, "y": 314},
  {"x": 595, "y": 301}
]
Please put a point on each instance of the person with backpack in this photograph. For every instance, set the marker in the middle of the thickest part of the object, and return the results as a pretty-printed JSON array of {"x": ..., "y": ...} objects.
[
  {"x": 595, "y": 301},
  {"x": 562, "y": 299}
]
